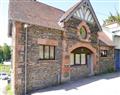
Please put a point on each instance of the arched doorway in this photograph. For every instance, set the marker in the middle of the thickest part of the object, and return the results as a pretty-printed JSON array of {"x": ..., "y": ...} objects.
[{"x": 82, "y": 60}]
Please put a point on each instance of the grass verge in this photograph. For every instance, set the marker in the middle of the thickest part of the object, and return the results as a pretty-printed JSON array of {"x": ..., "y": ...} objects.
[
  {"x": 5, "y": 68},
  {"x": 9, "y": 90}
]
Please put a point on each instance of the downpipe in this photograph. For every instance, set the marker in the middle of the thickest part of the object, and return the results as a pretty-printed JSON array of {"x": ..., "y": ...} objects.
[{"x": 26, "y": 37}]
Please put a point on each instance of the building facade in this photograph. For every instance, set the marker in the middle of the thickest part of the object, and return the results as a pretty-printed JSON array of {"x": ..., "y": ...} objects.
[
  {"x": 112, "y": 30},
  {"x": 53, "y": 46}
]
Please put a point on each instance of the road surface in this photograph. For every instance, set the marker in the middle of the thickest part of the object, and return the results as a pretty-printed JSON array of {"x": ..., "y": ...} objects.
[
  {"x": 108, "y": 84},
  {"x": 3, "y": 84}
]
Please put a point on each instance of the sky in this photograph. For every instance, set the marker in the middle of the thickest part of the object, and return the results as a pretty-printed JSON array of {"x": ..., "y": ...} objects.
[{"x": 102, "y": 9}]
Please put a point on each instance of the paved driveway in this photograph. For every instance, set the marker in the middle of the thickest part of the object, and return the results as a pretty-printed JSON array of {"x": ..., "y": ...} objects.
[
  {"x": 3, "y": 84},
  {"x": 108, "y": 84}
]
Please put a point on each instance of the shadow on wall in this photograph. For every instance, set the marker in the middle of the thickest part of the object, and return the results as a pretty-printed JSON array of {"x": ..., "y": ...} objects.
[{"x": 77, "y": 83}]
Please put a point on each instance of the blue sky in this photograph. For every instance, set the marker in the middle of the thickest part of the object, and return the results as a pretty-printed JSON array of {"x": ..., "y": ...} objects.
[{"x": 102, "y": 9}]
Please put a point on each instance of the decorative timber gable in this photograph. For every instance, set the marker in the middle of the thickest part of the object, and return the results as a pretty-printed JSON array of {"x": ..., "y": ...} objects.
[{"x": 83, "y": 11}]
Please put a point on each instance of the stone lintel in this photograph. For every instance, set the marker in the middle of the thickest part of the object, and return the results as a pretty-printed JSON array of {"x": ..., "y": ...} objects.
[{"x": 47, "y": 42}]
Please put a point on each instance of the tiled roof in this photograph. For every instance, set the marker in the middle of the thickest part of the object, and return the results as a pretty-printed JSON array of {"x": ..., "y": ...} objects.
[
  {"x": 104, "y": 38},
  {"x": 34, "y": 12}
]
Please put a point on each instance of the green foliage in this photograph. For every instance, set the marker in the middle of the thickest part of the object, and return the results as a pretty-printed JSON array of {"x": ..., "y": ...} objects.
[
  {"x": 5, "y": 53},
  {"x": 113, "y": 18},
  {"x": 1, "y": 55},
  {"x": 9, "y": 90},
  {"x": 111, "y": 70},
  {"x": 82, "y": 32},
  {"x": 108, "y": 70},
  {"x": 5, "y": 68},
  {"x": 8, "y": 87}
]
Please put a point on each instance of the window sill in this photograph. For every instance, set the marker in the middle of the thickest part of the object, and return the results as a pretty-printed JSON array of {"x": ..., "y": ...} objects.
[
  {"x": 78, "y": 65},
  {"x": 46, "y": 60}
]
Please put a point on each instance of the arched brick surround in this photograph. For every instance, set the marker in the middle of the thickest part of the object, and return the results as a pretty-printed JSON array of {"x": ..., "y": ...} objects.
[
  {"x": 83, "y": 24},
  {"x": 86, "y": 45}
]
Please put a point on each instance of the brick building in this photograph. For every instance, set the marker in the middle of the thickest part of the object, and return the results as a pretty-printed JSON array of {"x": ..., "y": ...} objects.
[{"x": 51, "y": 46}]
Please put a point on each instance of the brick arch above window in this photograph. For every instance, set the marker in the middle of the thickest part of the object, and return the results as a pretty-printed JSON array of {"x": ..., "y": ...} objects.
[{"x": 85, "y": 45}]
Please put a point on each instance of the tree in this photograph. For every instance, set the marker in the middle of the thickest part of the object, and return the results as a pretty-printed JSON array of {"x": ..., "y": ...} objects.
[
  {"x": 113, "y": 18},
  {"x": 1, "y": 55},
  {"x": 6, "y": 52}
]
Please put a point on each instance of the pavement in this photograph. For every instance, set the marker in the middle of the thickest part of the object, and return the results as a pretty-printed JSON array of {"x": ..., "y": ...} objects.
[
  {"x": 107, "y": 84},
  {"x": 3, "y": 84}
]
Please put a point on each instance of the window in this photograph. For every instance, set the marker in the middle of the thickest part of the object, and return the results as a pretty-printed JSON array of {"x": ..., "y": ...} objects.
[
  {"x": 41, "y": 52},
  {"x": 83, "y": 33},
  {"x": 72, "y": 59},
  {"x": 46, "y": 52},
  {"x": 83, "y": 59},
  {"x": 103, "y": 53},
  {"x": 52, "y": 52},
  {"x": 77, "y": 59}
]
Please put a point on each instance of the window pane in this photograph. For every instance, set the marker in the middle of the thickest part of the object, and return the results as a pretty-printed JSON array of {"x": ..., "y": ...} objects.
[
  {"x": 52, "y": 52},
  {"x": 83, "y": 59},
  {"x": 46, "y": 52},
  {"x": 77, "y": 59},
  {"x": 103, "y": 53},
  {"x": 71, "y": 59},
  {"x": 41, "y": 52}
]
